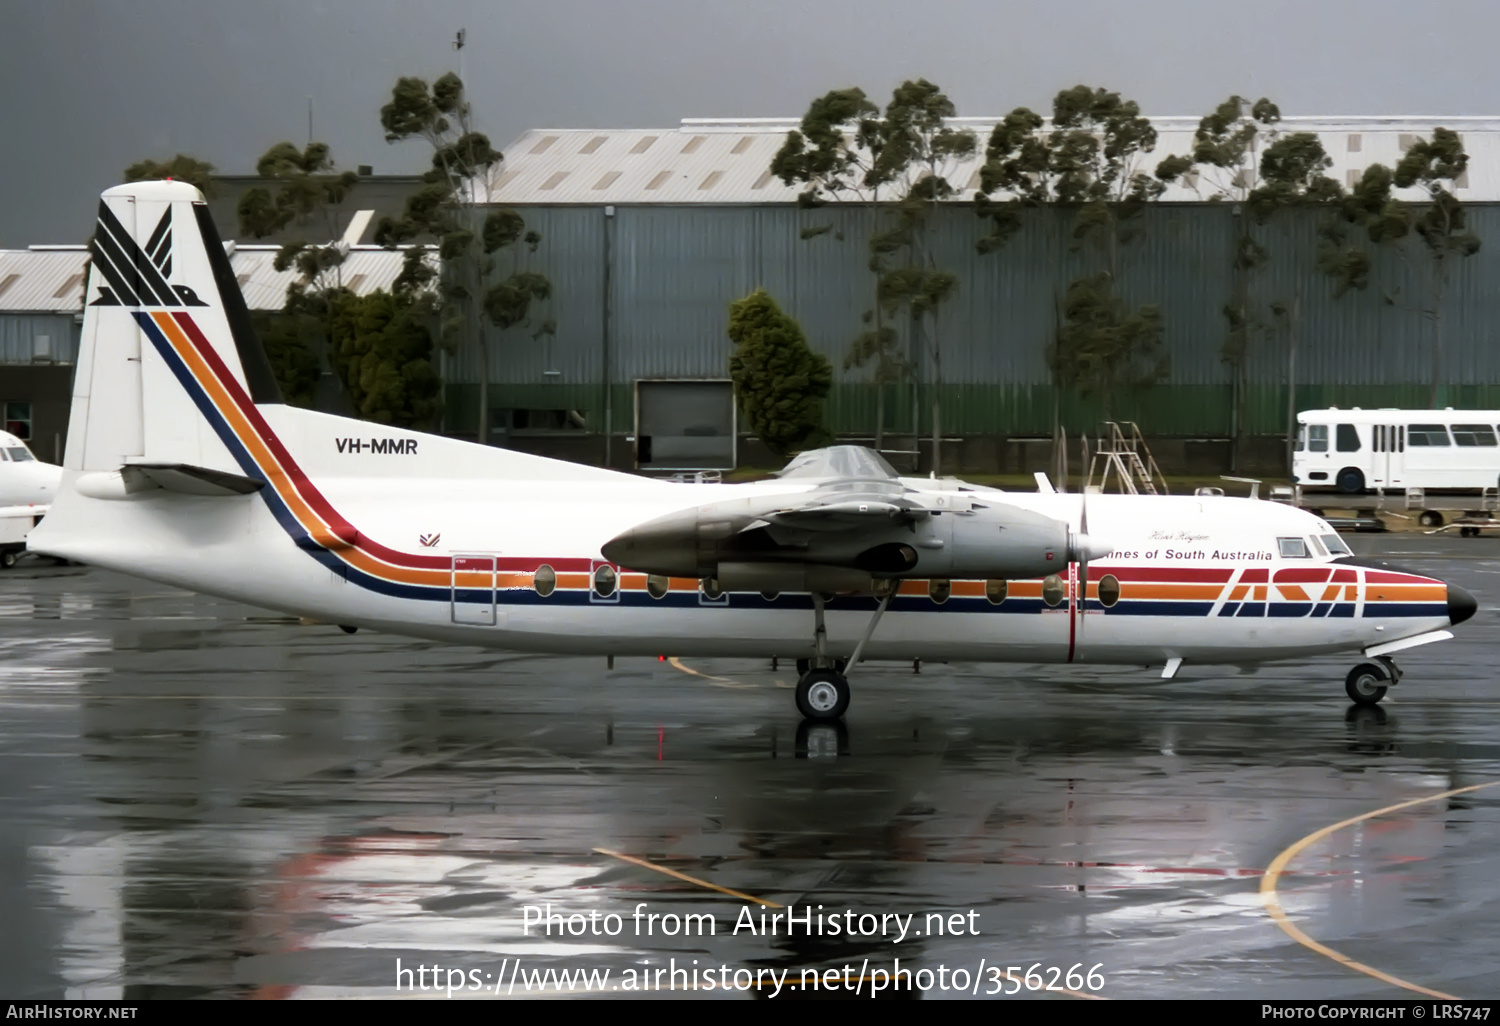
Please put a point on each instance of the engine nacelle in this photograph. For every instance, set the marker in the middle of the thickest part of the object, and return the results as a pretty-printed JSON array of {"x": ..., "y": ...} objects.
[{"x": 726, "y": 540}]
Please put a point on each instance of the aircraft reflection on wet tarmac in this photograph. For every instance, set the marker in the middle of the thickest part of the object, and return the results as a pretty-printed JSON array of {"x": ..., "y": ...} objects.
[{"x": 203, "y": 799}]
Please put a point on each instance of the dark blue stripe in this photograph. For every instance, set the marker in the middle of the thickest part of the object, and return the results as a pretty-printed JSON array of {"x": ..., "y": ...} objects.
[
  {"x": 1290, "y": 609},
  {"x": 1253, "y": 609},
  {"x": 1230, "y": 608}
]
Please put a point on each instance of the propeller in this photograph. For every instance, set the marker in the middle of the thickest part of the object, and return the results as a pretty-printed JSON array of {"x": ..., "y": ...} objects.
[{"x": 1082, "y": 548}]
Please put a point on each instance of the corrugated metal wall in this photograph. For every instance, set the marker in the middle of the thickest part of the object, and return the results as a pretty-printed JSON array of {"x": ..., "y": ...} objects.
[
  {"x": 672, "y": 272},
  {"x": 19, "y": 333}
]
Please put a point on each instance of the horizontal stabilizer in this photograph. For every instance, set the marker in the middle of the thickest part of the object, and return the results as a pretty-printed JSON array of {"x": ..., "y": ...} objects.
[{"x": 190, "y": 480}]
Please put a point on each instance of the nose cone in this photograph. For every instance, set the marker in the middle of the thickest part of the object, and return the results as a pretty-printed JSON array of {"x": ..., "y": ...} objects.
[{"x": 1461, "y": 604}]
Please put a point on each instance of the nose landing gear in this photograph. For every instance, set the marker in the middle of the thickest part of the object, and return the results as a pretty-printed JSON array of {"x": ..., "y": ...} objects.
[{"x": 1367, "y": 683}]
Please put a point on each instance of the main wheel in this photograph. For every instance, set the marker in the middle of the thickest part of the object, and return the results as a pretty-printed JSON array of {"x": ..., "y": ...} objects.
[
  {"x": 1366, "y": 684},
  {"x": 1351, "y": 481},
  {"x": 1430, "y": 518},
  {"x": 822, "y": 695},
  {"x": 7, "y": 559}
]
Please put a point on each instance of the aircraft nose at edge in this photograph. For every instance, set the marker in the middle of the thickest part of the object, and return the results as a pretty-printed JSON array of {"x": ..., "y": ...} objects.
[{"x": 1461, "y": 605}]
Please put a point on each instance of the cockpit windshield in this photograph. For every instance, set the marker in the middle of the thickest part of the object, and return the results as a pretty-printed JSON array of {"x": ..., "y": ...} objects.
[
  {"x": 1335, "y": 544},
  {"x": 19, "y": 453},
  {"x": 840, "y": 461}
]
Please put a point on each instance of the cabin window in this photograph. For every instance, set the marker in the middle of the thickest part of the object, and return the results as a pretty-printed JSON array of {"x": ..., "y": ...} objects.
[
  {"x": 710, "y": 588},
  {"x": 995, "y": 591},
  {"x": 1348, "y": 438},
  {"x": 544, "y": 580},
  {"x": 1292, "y": 548},
  {"x": 938, "y": 590},
  {"x": 1317, "y": 438},
  {"x": 1473, "y": 434},
  {"x": 605, "y": 581},
  {"x": 1109, "y": 590},
  {"x": 1431, "y": 435},
  {"x": 657, "y": 586},
  {"x": 770, "y": 596},
  {"x": 1335, "y": 544},
  {"x": 1052, "y": 589}
]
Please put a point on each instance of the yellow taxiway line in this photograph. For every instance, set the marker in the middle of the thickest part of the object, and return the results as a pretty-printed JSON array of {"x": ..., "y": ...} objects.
[{"x": 1279, "y": 864}]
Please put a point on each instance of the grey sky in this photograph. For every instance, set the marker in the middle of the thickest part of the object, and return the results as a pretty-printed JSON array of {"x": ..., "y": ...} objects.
[{"x": 87, "y": 88}]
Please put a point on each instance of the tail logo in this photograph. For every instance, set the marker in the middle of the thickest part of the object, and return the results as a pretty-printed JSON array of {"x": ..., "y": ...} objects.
[{"x": 137, "y": 277}]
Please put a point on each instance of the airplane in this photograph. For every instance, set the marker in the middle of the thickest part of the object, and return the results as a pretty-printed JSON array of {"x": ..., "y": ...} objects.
[
  {"x": 27, "y": 486},
  {"x": 183, "y": 466},
  {"x": 24, "y": 479}
]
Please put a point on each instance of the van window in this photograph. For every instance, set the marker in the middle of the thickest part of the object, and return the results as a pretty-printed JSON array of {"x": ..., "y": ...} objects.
[
  {"x": 1348, "y": 438},
  {"x": 1317, "y": 437},
  {"x": 1473, "y": 434},
  {"x": 1432, "y": 435},
  {"x": 1301, "y": 438}
]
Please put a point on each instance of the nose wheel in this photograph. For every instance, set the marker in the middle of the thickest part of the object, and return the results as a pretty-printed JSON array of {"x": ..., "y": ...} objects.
[{"x": 1367, "y": 683}]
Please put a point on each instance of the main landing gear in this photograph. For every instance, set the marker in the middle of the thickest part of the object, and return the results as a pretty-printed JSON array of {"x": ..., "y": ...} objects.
[
  {"x": 1367, "y": 683},
  {"x": 823, "y": 688}
]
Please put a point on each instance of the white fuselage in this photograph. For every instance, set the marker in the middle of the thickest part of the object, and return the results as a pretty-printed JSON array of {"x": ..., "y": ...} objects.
[{"x": 1198, "y": 578}]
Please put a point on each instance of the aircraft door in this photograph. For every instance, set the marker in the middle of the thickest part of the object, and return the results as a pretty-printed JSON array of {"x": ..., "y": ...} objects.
[{"x": 473, "y": 599}]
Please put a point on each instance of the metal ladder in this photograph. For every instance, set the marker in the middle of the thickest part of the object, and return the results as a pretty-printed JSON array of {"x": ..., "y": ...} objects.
[{"x": 1129, "y": 458}]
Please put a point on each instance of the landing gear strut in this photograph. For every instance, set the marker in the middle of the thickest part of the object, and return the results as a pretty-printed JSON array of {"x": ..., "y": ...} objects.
[
  {"x": 823, "y": 689},
  {"x": 1367, "y": 683}
]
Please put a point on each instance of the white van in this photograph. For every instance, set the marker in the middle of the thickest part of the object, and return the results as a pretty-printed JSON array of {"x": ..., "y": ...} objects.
[{"x": 1354, "y": 451}]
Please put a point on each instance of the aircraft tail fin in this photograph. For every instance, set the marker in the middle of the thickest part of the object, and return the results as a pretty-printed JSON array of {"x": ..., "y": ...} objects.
[{"x": 162, "y": 309}]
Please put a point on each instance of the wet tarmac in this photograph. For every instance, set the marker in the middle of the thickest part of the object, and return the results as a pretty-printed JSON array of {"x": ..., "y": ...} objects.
[{"x": 200, "y": 799}]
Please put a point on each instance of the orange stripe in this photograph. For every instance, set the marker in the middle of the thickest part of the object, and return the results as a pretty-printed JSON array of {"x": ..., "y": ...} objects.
[
  {"x": 277, "y": 476},
  {"x": 1137, "y": 590},
  {"x": 1406, "y": 593}
]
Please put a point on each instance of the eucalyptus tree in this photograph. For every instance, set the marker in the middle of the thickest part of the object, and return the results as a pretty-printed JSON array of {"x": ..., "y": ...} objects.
[
  {"x": 919, "y": 151},
  {"x": 1292, "y": 176},
  {"x": 302, "y": 188},
  {"x": 1093, "y": 158},
  {"x": 832, "y": 155},
  {"x": 1428, "y": 236},
  {"x": 1226, "y": 168},
  {"x": 447, "y": 209},
  {"x": 181, "y": 168}
]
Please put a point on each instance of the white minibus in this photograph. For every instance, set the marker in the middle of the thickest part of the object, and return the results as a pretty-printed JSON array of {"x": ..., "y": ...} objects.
[{"x": 1354, "y": 451}]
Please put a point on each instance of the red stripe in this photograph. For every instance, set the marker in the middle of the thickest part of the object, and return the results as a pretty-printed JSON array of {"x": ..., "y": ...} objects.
[{"x": 1316, "y": 575}]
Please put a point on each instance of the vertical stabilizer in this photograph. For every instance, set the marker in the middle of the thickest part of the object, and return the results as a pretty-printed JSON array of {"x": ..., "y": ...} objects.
[{"x": 161, "y": 295}]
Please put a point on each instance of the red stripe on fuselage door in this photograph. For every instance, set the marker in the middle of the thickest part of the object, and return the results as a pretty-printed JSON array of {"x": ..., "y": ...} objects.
[{"x": 1074, "y": 605}]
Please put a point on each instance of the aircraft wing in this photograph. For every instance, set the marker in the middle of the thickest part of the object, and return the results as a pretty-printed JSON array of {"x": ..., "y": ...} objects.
[{"x": 857, "y": 520}]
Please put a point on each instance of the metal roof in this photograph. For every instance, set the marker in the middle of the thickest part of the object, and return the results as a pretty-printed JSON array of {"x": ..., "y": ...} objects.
[
  {"x": 49, "y": 279},
  {"x": 727, "y": 161}
]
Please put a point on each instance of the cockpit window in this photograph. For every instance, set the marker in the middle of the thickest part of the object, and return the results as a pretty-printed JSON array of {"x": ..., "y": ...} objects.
[
  {"x": 1292, "y": 548},
  {"x": 1335, "y": 544},
  {"x": 20, "y": 453},
  {"x": 1318, "y": 548}
]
